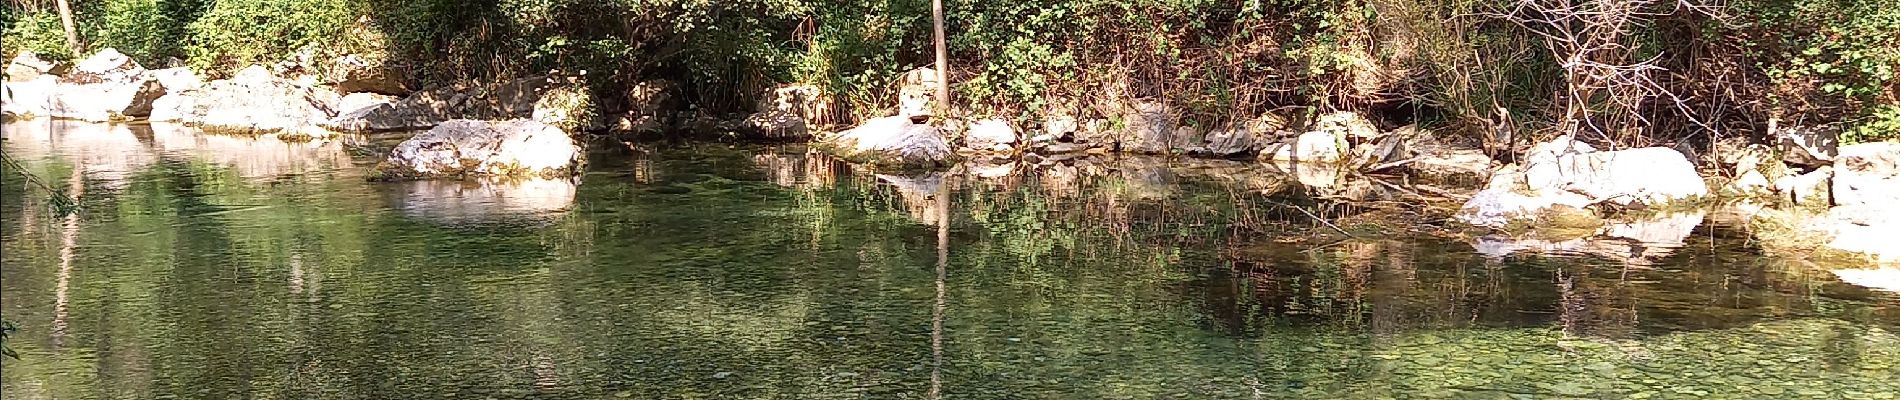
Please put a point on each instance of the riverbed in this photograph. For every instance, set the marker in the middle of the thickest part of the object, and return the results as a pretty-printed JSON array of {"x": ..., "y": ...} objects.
[{"x": 207, "y": 266}]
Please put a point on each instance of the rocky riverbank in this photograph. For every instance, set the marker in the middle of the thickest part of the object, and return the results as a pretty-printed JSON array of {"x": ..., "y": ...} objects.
[{"x": 1801, "y": 195}]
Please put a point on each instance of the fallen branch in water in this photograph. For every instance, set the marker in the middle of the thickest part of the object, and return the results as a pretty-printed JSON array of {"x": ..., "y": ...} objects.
[{"x": 62, "y": 204}]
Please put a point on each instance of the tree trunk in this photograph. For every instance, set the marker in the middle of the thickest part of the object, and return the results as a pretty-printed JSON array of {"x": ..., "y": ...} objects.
[
  {"x": 72, "y": 32},
  {"x": 943, "y": 59}
]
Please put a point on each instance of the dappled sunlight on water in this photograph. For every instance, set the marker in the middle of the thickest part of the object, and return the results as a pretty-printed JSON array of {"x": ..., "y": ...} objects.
[{"x": 222, "y": 267}]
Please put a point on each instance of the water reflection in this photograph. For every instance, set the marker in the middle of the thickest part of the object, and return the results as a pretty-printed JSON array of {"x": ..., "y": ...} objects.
[
  {"x": 1642, "y": 241},
  {"x": 720, "y": 272},
  {"x": 111, "y": 153},
  {"x": 482, "y": 200},
  {"x": 254, "y": 157},
  {"x": 108, "y": 154}
]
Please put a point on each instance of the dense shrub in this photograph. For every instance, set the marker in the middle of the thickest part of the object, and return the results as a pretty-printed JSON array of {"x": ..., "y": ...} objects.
[
  {"x": 1448, "y": 61},
  {"x": 38, "y": 32},
  {"x": 1828, "y": 60},
  {"x": 233, "y": 34}
]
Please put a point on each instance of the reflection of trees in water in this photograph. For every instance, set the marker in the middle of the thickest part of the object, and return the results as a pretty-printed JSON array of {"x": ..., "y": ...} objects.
[
  {"x": 763, "y": 292},
  {"x": 68, "y": 243}
]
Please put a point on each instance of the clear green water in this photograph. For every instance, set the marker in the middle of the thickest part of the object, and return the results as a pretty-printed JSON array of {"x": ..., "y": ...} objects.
[{"x": 208, "y": 267}]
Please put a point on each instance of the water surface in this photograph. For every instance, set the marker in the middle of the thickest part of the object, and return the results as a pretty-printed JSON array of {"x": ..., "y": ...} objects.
[{"x": 220, "y": 267}]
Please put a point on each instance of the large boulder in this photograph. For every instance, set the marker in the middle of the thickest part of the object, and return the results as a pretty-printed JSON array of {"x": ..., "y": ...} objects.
[
  {"x": 354, "y": 73},
  {"x": 178, "y": 79},
  {"x": 775, "y": 124},
  {"x": 1246, "y": 138},
  {"x": 485, "y": 148},
  {"x": 1055, "y": 127},
  {"x": 1807, "y": 145},
  {"x": 28, "y": 66},
  {"x": 102, "y": 101},
  {"x": 1573, "y": 174},
  {"x": 1868, "y": 174},
  {"x": 361, "y": 100},
  {"x": 108, "y": 86},
  {"x": 28, "y": 98},
  {"x": 510, "y": 99},
  {"x": 651, "y": 98},
  {"x": 1148, "y": 127},
  {"x": 1866, "y": 229},
  {"x": 892, "y": 141},
  {"x": 805, "y": 101},
  {"x": 992, "y": 134},
  {"x": 1347, "y": 124},
  {"x": 1322, "y": 146},
  {"x": 106, "y": 65},
  {"x": 254, "y": 100}
]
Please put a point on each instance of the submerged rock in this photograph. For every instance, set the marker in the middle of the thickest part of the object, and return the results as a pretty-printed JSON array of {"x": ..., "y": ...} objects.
[
  {"x": 894, "y": 141},
  {"x": 1569, "y": 173},
  {"x": 254, "y": 100},
  {"x": 491, "y": 148}
]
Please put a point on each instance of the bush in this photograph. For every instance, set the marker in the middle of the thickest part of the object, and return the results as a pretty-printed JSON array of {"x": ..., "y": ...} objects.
[
  {"x": 148, "y": 30},
  {"x": 234, "y": 34},
  {"x": 38, "y": 32},
  {"x": 1829, "y": 60}
]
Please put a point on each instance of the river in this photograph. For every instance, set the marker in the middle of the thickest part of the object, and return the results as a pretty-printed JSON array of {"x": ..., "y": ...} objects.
[{"x": 217, "y": 267}]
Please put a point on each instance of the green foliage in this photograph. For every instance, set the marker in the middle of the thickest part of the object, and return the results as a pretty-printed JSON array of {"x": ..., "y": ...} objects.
[
  {"x": 1882, "y": 123},
  {"x": 148, "y": 30},
  {"x": 1826, "y": 60},
  {"x": 569, "y": 107},
  {"x": 233, "y": 34},
  {"x": 1837, "y": 58},
  {"x": 38, "y": 32}
]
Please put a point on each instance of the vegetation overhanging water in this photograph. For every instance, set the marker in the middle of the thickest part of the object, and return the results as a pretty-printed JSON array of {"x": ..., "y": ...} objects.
[{"x": 209, "y": 266}]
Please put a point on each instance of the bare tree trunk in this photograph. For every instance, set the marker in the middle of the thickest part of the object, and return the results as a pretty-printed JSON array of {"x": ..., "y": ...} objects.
[
  {"x": 943, "y": 58},
  {"x": 72, "y": 32}
]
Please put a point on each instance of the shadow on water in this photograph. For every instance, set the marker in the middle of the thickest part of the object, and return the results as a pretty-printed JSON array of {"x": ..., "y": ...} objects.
[{"x": 220, "y": 267}]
